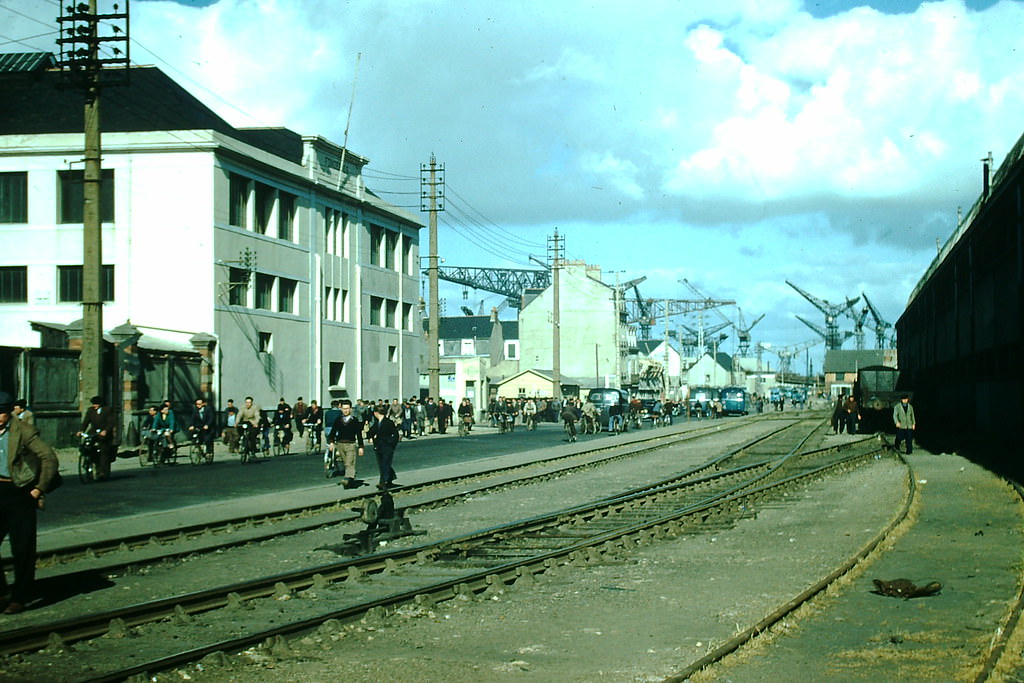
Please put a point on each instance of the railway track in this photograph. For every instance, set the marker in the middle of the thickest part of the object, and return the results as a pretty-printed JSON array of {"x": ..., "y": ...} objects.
[
  {"x": 465, "y": 565},
  {"x": 121, "y": 552}
]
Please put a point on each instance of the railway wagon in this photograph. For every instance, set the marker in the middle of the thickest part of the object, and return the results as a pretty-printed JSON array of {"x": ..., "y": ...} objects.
[{"x": 876, "y": 394}]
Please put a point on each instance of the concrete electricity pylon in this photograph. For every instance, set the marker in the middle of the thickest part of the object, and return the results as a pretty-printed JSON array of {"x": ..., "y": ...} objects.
[
  {"x": 832, "y": 313},
  {"x": 432, "y": 201}
]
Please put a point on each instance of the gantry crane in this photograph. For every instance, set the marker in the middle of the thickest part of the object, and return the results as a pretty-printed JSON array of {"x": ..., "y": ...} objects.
[
  {"x": 833, "y": 340},
  {"x": 509, "y": 282}
]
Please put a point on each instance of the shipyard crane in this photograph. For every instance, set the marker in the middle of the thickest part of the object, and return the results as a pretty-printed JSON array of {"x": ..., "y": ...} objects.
[
  {"x": 509, "y": 282},
  {"x": 832, "y": 313},
  {"x": 788, "y": 353},
  {"x": 880, "y": 324},
  {"x": 703, "y": 334},
  {"x": 646, "y": 312},
  {"x": 858, "y": 326},
  {"x": 840, "y": 336},
  {"x": 741, "y": 327}
]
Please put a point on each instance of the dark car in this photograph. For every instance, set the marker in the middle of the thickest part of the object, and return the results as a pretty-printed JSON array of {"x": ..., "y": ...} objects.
[{"x": 603, "y": 399}]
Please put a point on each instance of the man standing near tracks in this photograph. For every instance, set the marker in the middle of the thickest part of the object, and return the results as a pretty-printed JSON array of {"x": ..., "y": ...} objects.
[
  {"x": 384, "y": 435},
  {"x": 28, "y": 466},
  {"x": 347, "y": 435},
  {"x": 906, "y": 423}
]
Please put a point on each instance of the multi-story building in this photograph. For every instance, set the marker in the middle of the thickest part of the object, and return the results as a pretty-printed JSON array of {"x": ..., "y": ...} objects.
[{"x": 264, "y": 243}]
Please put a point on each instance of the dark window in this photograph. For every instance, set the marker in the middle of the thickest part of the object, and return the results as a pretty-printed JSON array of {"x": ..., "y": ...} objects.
[
  {"x": 376, "y": 303},
  {"x": 392, "y": 308},
  {"x": 238, "y": 287},
  {"x": 264, "y": 207},
  {"x": 391, "y": 251},
  {"x": 266, "y": 341},
  {"x": 264, "y": 291},
  {"x": 376, "y": 237},
  {"x": 286, "y": 295},
  {"x": 14, "y": 197},
  {"x": 285, "y": 215},
  {"x": 71, "y": 195},
  {"x": 13, "y": 285},
  {"x": 238, "y": 196},
  {"x": 69, "y": 283},
  {"x": 336, "y": 370}
]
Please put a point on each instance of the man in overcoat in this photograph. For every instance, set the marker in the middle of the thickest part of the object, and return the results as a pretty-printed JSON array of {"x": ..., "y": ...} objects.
[{"x": 28, "y": 468}]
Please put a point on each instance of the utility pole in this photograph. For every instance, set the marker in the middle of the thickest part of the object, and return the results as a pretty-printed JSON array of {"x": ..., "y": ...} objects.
[
  {"x": 83, "y": 63},
  {"x": 556, "y": 251},
  {"x": 432, "y": 201}
]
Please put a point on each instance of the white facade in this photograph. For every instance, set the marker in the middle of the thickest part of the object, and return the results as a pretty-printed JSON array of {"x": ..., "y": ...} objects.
[
  {"x": 308, "y": 290},
  {"x": 591, "y": 335}
]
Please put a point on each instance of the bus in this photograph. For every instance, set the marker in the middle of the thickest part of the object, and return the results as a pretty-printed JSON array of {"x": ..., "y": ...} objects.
[{"x": 735, "y": 401}]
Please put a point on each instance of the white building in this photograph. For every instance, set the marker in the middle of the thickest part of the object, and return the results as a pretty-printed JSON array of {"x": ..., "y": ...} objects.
[
  {"x": 306, "y": 280},
  {"x": 592, "y": 335}
]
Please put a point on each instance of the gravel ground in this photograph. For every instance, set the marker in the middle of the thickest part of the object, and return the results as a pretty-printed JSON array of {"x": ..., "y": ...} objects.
[{"x": 635, "y": 618}]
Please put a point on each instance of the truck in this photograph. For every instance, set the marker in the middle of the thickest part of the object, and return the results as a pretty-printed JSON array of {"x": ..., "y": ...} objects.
[{"x": 651, "y": 384}]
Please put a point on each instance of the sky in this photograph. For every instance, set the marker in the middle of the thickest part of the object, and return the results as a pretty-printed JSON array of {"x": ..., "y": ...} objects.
[{"x": 736, "y": 144}]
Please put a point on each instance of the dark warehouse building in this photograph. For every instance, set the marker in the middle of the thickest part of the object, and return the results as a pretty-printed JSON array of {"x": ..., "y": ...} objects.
[{"x": 960, "y": 336}]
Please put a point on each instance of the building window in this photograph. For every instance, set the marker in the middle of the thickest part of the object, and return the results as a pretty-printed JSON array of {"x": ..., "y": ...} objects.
[
  {"x": 344, "y": 222},
  {"x": 407, "y": 321},
  {"x": 336, "y": 372},
  {"x": 285, "y": 215},
  {"x": 512, "y": 350},
  {"x": 264, "y": 291},
  {"x": 376, "y": 239},
  {"x": 266, "y": 342},
  {"x": 391, "y": 251},
  {"x": 69, "y": 284},
  {"x": 330, "y": 230},
  {"x": 376, "y": 303},
  {"x": 14, "y": 197},
  {"x": 14, "y": 285},
  {"x": 393, "y": 354},
  {"x": 344, "y": 306},
  {"x": 238, "y": 287},
  {"x": 238, "y": 198},
  {"x": 71, "y": 195},
  {"x": 391, "y": 308},
  {"x": 408, "y": 267},
  {"x": 286, "y": 295},
  {"x": 264, "y": 207}
]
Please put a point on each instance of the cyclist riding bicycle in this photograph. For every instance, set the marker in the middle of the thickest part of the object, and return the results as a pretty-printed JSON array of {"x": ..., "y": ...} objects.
[
  {"x": 250, "y": 412},
  {"x": 466, "y": 414},
  {"x": 162, "y": 432},
  {"x": 569, "y": 417},
  {"x": 283, "y": 424},
  {"x": 591, "y": 417}
]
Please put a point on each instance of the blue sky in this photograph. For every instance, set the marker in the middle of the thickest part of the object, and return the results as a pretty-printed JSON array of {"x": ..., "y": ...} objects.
[{"x": 736, "y": 144}]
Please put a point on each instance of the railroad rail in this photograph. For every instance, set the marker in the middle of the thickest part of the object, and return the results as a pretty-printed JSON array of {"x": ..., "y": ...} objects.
[{"x": 465, "y": 565}]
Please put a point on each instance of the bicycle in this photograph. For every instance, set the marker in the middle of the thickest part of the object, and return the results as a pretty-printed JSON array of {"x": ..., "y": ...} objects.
[
  {"x": 88, "y": 458},
  {"x": 279, "y": 447},
  {"x": 464, "y": 425},
  {"x": 330, "y": 461},
  {"x": 313, "y": 440},
  {"x": 247, "y": 443},
  {"x": 570, "y": 429},
  {"x": 196, "y": 448}
]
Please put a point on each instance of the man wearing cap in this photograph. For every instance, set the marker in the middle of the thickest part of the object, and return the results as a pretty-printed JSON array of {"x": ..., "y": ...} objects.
[
  {"x": 27, "y": 468},
  {"x": 99, "y": 420},
  {"x": 903, "y": 418}
]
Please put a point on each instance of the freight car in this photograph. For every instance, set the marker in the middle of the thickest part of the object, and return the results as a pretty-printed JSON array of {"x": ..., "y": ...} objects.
[{"x": 876, "y": 394}]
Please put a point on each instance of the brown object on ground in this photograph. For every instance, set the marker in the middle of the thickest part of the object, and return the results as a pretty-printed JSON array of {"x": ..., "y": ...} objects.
[{"x": 905, "y": 588}]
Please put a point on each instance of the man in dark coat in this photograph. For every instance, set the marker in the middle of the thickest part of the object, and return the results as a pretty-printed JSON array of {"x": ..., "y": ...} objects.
[
  {"x": 28, "y": 467},
  {"x": 384, "y": 436},
  {"x": 202, "y": 424},
  {"x": 99, "y": 421}
]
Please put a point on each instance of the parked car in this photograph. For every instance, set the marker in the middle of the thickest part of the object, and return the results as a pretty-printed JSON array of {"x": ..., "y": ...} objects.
[{"x": 603, "y": 399}]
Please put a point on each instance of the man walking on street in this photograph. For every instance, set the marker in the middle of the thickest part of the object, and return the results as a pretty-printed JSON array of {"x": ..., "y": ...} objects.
[
  {"x": 384, "y": 435},
  {"x": 906, "y": 423},
  {"x": 347, "y": 435}
]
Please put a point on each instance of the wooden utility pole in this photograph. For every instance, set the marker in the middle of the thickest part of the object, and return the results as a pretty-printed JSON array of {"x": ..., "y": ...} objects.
[
  {"x": 432, "y": 201},
  {"x": 81, "y": 59}
]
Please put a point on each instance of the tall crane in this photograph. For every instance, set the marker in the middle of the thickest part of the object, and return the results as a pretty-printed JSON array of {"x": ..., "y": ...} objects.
[
  {"x": 788, "y": 353},
  {"x": 841, "y": 336},
  {"x": 832, "y": 313},
  {"x": 741, "y": 327},
  {"x": 858, "y": 326},
  {"x": 880, "y": 324}
]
